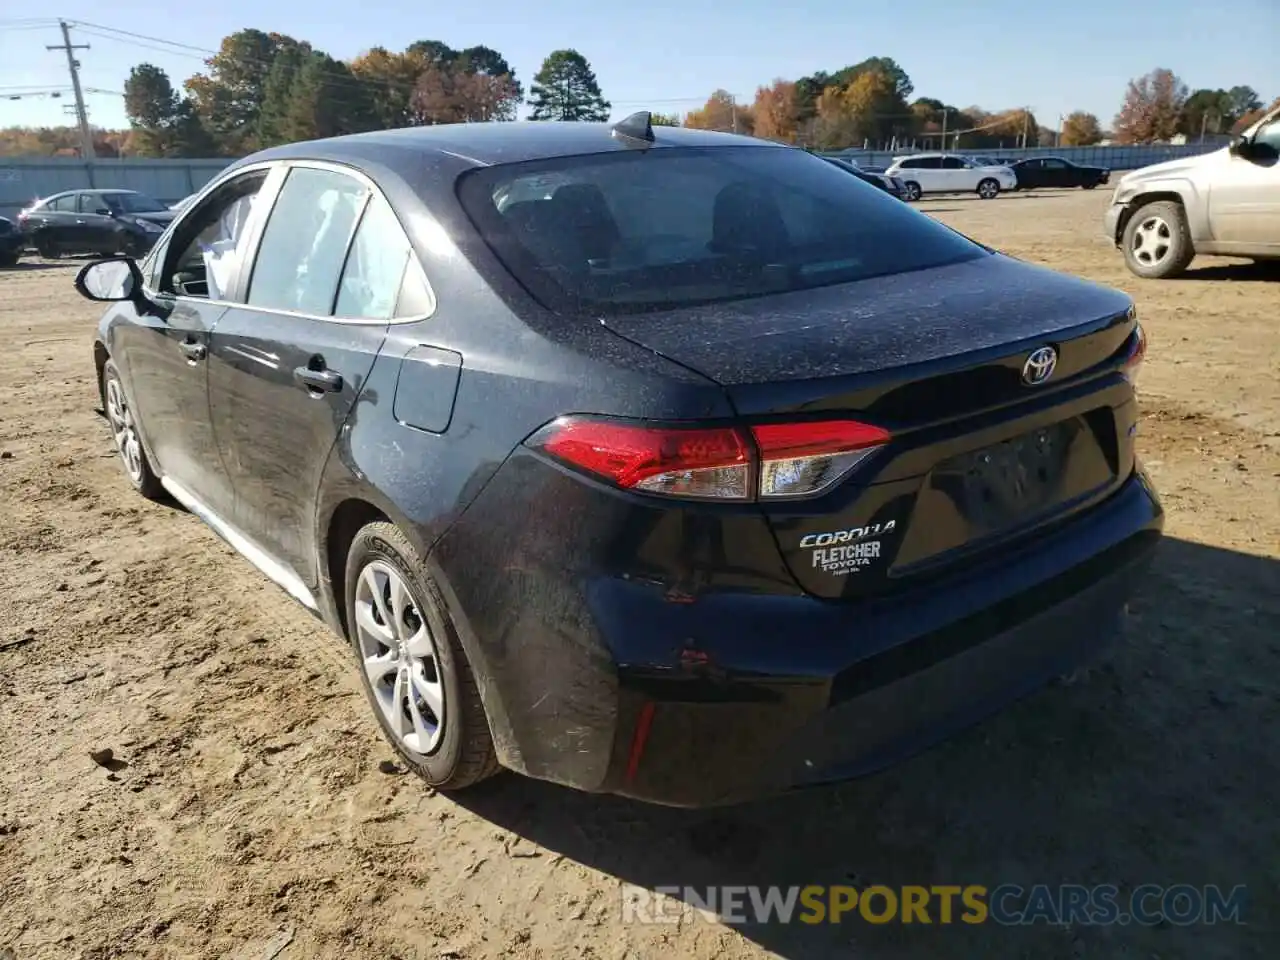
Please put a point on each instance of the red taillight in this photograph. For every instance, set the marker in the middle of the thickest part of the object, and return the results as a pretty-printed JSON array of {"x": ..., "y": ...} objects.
[
  {"x": 681, "y": 461},
  {"x": 789, "y": 459},
  {"x": 1137, "y": 353}
]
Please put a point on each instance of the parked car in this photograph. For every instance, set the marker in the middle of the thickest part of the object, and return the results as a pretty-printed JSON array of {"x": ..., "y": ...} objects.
[
  {"x": 1226, "y": 202},
  {"x": 890, "y": 185},
  {"x": 12, "y": 243},
  {"x": 1057, "y": 172},
  {"x": 948, "y": 173},
  {"x": 182, "y": 204},
  {"x": 94, "y": 221},
  {"x": 645, "y": 460}
]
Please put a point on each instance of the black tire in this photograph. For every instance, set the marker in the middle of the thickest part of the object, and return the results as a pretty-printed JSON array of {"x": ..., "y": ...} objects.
[
  {"x": 47, "y": 248},
  {"x": 1163, "y": 227},
  {"x": 988, "y": 188},
  {"x": 1090, "y": 186},
  {"x": 9, "y": 259},
  {"x": 465, "y": 754},
  {"x": 911, "y": 191},
  {"x": 144, "y": 479}
]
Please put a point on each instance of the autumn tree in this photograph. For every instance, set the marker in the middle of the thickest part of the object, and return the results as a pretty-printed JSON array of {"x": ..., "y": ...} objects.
[
  {"x": 390, "y": 79},
  {"x": 859, "y": 112},
  {"x": 566, "y": 89},
  {"x": 1080, "y": 129},
  {"x": 721, "y": 112},
  {"x": 775, "y": 112},
  {"x": 228, "y": 98},
  {"x": 451, "y": 93},
  {"x": 1152, "y": 109},
  {"x": 664, "y": 120}
]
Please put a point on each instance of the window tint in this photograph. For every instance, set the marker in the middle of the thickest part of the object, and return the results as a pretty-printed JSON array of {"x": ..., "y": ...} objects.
[
  {"x": 909, "y": 164},
  {"x": 649, "y": 230},
  {"x": 953, "y": 163},
  {"x": 1055, "y": 165},
  {"x": 305, "y": 242},
  {"x": 65, "y": 204},
  {"x": 205, "y": 253},
  {"x": 375, "y": 266},
  {"x": 91, "y": 203},
  {"x": 133, "y": 203}
]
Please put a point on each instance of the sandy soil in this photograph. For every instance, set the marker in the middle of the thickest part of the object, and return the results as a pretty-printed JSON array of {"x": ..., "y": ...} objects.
[{"x": 248, "y": 815}]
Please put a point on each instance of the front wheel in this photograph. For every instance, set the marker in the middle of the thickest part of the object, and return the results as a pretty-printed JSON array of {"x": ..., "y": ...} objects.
[
  {"x": 1156, "y": 241},
  {"x": 912, "y": 191},
  {"x": 989, "y": 189},
  {"x": 47, "y": 248},
  {"x": 124, "y": 431},
  {"x": 413, "y": 668}
]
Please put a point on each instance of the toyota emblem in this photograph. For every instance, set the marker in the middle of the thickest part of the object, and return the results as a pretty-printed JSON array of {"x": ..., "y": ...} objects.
[{"x": 1039, "y": 366}]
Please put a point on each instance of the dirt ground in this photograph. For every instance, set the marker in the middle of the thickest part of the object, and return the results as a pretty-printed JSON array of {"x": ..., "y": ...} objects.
[{"x": 248, "y": 816}]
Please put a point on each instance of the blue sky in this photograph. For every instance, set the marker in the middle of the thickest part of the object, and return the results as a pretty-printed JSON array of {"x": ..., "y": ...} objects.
[{"x": 668, "y": 55}]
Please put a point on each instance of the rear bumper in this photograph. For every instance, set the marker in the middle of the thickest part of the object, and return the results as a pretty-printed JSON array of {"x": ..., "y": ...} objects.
[{"x": 614, "y": 684}]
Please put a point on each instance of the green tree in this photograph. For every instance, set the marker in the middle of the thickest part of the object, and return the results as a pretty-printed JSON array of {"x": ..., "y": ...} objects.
[
  {"x": 326, "y": 101},
  {"x": 566, "y": 89},
  {"x": 1244, "y": 100},
  {"x": 664, "y": 119},
  {"x": 278, "y": 93},
  {"x": 390, "y": 79},
  {"x": 164, "y": 124}
]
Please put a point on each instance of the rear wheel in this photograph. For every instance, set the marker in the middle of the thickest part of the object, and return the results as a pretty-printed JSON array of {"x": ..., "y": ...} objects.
[
  {"x": 414, "y": 671},
  {"x": 124, "y": 431},
  {"x": 9, "y": 259},
  {"x": 911, "y": 191},
  {"x": 1156, "y": 241},
  {"x": 989, "y": 188}
]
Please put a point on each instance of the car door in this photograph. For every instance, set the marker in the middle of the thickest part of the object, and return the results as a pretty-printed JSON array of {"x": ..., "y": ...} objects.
[
  {"x": 1057, "y": 173},
  {"x": 285, "y": 371},
  {"x": 96, "y": 228},
  {"x": 1244, "y": 196},
  {"x": 163, "y": 354},
  {"x": 956, "y": 175},
  {"x": 1030, "y": 174},
  {"x": 55, "y": 219}
]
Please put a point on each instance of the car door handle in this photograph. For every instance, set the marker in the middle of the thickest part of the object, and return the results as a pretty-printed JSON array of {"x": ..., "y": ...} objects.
[
  {"x": 193, "y": 351},
  {"x": 326, "y": 381}
]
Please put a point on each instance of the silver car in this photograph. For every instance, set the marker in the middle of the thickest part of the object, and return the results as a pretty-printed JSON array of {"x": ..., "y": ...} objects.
[{"x": 1226, "y": 202}]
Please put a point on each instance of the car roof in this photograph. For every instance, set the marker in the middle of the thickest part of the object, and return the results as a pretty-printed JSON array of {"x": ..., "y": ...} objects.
[{"x": 487, "y": 144}]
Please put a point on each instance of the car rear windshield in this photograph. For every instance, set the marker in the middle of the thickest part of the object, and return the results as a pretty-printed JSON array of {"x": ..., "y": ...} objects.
[{"x": 669, "y": 227}]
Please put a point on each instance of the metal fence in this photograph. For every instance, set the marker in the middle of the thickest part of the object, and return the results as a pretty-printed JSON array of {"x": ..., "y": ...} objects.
[
  {"x": 24, "y": 179},
  {"x": 1111, "y": 157}
]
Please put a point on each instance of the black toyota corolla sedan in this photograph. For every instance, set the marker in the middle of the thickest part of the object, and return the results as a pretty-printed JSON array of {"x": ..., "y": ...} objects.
[{"x": 644, "y": 460}]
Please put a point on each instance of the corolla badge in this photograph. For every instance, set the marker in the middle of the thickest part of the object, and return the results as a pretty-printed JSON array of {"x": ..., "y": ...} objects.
[{"x": 1039, "y": 366}]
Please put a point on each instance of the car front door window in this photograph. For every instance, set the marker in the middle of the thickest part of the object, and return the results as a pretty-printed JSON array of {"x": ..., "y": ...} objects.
[{"x": 211, "y": 242}]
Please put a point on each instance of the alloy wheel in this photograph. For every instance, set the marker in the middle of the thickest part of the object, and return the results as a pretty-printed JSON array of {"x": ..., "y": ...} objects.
[
  {"x": 988, "y": 189},
  {"x": 1152, "y": 241},
  {"x": 123, "y": 430},
  {"x": 399, "y": 657}
]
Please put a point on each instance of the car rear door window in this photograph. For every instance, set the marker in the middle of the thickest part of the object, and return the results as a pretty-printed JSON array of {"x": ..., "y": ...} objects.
[
  {"x": 305, "y": 242},
  {"x": 375, "y": 267}
]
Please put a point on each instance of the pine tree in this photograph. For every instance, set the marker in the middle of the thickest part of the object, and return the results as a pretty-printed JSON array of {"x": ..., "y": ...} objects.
[{"x": 566, "y": 89}]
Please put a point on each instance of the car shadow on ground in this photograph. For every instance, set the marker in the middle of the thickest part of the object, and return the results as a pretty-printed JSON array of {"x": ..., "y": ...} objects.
[
  {"x": 28, "y": 266},
  {"x": 1266, "y": 270},
  {"x": 1153, "y": 770}
]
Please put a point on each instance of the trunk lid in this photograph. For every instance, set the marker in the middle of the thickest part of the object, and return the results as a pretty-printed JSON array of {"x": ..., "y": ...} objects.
[{"x": 978, "y": 456}]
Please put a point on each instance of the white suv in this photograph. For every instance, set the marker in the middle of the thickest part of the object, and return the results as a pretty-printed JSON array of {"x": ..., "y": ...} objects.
[{"x": 948, "y": 173}]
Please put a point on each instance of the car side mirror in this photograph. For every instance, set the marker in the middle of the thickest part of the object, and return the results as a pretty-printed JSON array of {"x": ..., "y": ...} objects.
[
  {"x": 1240, "y": 146},
  {"x": 110, "y": 281},
  {"x": 104, "y": 212}
]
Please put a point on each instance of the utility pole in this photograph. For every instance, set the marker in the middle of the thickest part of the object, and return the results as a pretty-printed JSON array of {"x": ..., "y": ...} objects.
[
  {"x": 944, "y": 129},
  {"x": 733, "y": 104},
  {"x": 82, "y": 117},
  {"x": 1026, "y": 117}
]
